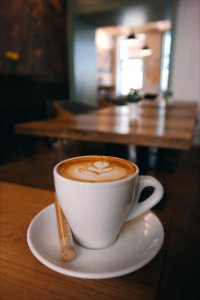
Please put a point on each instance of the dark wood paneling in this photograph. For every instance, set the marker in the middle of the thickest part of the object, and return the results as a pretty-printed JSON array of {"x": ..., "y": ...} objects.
[
  {"x": 24, "y": 98},
  {"x": 36, "y": 30}
]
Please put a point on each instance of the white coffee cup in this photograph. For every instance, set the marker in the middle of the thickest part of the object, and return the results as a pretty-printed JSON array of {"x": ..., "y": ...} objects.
[{"x": 97, "y": 210}]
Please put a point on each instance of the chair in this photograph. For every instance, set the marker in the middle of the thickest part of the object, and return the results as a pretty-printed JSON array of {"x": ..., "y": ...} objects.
[
  {"x": 116, "y": 100},
  {"x": 65, "y": 108},
  {"x": 150, "y": 96}
]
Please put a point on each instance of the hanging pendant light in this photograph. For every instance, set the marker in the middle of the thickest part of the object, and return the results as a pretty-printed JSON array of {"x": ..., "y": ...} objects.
[
  {"x": 146, "y": 51},
  {"x": 131, "y": 36},
  {"x": 136, "y": 46},
  {"x": 132, "y": 40}
]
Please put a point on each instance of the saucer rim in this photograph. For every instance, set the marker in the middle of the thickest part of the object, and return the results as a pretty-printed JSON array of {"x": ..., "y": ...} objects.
[{"x": 89, "y": 275}]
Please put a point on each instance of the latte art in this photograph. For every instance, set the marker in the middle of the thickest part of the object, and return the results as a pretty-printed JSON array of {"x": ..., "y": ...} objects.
[{"x": 96, "y": 169}]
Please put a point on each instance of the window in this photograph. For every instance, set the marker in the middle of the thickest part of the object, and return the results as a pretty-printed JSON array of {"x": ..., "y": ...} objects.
[
  {"x": 130, "y": 70},
  {"x": 164, "y": 78},
  {"x": 131, "y": 75}
]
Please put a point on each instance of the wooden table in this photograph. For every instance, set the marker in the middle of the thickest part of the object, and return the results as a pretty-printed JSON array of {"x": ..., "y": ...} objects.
[
  {"x": 23, "y": 277},
  {"x": 169, "y": 127}
]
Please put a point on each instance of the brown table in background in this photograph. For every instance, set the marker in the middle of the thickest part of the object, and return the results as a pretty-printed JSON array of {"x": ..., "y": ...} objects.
[
  {"x": 23, "y": 277},
  {"x": 170, "y": 127}
]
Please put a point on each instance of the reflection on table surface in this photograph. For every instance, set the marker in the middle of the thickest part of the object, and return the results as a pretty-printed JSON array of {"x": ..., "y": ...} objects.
[{"x": 170, "y": 126}]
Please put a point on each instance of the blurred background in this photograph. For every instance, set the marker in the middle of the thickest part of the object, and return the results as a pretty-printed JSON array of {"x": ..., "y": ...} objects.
[
  {"x": 94, "y": 52},
  {"x": 47, "y": 46}
]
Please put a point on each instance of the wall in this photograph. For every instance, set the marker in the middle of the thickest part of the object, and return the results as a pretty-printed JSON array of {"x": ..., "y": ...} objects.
[
  {"x": 36, "y": 72},
  {"x": 85, "y": 74},
  {"x": 152, "y": 64},
  {"x": 105, "y": 42},
  {"x": 186, "y": 59},
  {"x": 35, "y": 29}
]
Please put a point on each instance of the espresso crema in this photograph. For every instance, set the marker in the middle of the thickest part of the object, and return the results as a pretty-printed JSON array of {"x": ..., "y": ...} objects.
[{"x": 96, "y": 169}]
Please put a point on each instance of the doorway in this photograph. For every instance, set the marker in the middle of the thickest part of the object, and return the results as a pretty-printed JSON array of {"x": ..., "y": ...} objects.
[{"x": 116, "y": 69}]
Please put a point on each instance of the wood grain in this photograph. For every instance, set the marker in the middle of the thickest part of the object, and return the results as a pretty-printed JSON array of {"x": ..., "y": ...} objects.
[
  {"x": 172, "y": 127},
  {"x": 23, "y": 277}
]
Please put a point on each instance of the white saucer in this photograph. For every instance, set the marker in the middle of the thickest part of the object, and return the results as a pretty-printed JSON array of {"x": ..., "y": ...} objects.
[{"x": 139, "y": 241}]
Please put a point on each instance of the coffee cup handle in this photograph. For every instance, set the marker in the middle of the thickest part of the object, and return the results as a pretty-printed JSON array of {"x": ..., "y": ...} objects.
[{"x": 139, "y": 208}]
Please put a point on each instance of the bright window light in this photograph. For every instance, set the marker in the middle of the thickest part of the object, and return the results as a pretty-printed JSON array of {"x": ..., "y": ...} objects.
[
  {"x": 130, "y": 71},
  {"x": 164, "y": 78}
]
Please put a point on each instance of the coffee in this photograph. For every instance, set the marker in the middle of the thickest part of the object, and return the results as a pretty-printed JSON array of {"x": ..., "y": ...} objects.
[{"x": 96, "y": 168}]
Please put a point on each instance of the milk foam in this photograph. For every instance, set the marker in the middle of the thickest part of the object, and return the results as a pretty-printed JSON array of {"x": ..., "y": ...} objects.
[{"x": 95, "y": 171}]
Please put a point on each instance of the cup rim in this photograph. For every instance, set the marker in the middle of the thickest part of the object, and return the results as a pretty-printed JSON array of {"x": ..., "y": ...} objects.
[{"x": 55, "y": 171}]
